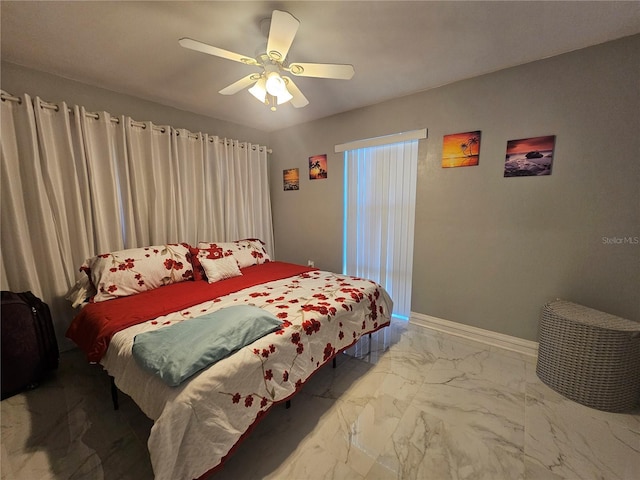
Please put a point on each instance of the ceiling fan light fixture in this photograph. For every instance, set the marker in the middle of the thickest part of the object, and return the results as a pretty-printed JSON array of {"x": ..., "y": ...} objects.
[
  {"x": 284, "y": 97},
  {"x": 275, "y": 84},
  {"x": 259, "y": 90}
]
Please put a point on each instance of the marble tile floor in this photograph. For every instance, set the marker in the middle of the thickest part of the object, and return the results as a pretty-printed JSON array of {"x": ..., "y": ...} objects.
[{"x": 420, "y": 405}]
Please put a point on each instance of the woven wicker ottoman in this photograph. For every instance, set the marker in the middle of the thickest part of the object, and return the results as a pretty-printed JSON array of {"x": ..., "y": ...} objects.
[{"x": 591, "y": 357}]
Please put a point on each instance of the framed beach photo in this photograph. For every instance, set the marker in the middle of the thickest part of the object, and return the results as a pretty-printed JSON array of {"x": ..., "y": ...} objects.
[
  {"x": 461, "y": 149},
  {"x": 529, "y": 157},
  {"x": 291, "y": 179}
]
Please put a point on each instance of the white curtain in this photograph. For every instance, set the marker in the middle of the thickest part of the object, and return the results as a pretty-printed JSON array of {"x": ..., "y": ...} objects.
[
  {"x": 29, "y": 238},
  {"x": 153, "y": 184},
  {"x": 76, "y": 184},
  {"x": 380, "y": 193},
  {"x": 249, "y": 208}
]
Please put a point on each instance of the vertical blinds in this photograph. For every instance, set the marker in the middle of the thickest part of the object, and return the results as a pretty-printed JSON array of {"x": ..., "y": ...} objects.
[{"x": 380, "y": 192}]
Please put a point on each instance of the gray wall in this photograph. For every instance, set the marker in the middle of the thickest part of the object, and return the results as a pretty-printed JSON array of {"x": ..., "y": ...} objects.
[
  {"x": 489, "y": 250},
  {"x": 17, "y": 80}
]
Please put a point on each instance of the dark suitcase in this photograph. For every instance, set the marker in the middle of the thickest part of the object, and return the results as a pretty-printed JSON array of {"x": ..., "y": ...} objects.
[{"x": 29, "y": 346}]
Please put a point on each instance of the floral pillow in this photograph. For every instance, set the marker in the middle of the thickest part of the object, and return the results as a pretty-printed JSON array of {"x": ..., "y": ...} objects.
[
  {"x": 220, "y": 268},
  {"x": 127, "y": 272},
  {"x": 198, "y": 254},
  {"x": 247, "y": 252}
]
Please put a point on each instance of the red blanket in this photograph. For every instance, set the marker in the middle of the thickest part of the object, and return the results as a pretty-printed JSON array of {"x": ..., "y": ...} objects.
[{"x": 94, "y": 326}]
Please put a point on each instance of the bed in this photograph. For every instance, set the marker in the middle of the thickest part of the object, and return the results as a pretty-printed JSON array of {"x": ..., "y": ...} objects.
[{"x": 198, "y": 421}]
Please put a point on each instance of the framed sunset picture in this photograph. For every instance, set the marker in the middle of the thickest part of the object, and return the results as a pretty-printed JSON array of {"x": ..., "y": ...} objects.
[
  {"x": 318, "y": 167},
  {"x": 529, "y": 157},
  {"x": 461, "y": 149},
  {"x": 291, "y": 179}
]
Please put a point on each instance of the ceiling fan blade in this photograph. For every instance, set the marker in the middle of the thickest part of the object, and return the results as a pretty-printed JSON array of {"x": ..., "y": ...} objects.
[
  {"x": 281, "y": 33},
  {"x": 218, "y": 52},
  {"x": 322, "y": 70},
  {"x": 298, "y": 100},
  {"x": 240, "y": 84}
]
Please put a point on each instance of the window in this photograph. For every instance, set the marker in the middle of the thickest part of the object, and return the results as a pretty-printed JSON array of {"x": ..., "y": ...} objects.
[{"x": 379, "y": 213}]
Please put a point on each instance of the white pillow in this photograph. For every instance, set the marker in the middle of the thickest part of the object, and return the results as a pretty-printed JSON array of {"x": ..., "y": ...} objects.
[{"x": 220, "y": 268}]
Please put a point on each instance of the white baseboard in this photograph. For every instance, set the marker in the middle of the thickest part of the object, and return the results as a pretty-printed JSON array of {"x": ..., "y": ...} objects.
[{"x": 515, "y": 344}]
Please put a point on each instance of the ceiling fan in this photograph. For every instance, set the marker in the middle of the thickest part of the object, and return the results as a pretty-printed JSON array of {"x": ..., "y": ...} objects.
[{"x": 271, "y": 86}]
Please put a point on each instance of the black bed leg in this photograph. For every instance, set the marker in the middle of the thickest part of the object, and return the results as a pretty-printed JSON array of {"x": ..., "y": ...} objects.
[
  {"x": 334, "y": 362},
  {"x": 369, "y": 344},
  {"x": 287, "y": 404},
  {"x": 114, "y": 394}
]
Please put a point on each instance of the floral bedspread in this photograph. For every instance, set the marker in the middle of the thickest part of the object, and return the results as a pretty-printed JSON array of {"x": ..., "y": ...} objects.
[{"x": 197, "y": 423}]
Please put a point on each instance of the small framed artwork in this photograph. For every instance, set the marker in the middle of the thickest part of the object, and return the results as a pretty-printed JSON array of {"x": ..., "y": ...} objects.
[
  {"x": 529, "y": 157},
  {"x": 291, "y": 179},
  {"x": 461, "y": 149},
  {"x": 318, "y": 167}
]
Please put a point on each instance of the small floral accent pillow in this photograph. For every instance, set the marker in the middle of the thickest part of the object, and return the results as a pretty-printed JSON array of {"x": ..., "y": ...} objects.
[
  {"x": 247, "y": 252},
  {"x": 198, "y": 254},
  {"x": 127, "y": 272},
  {"x": 220, "y": 268}
]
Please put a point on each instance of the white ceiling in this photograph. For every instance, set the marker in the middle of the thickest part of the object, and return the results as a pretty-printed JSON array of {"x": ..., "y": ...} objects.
[{"x": 397, "y": 48}]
